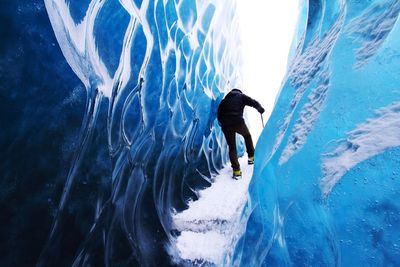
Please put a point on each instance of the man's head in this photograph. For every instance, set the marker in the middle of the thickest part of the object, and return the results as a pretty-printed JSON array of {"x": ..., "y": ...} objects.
[{"x": 235, "y": 89}]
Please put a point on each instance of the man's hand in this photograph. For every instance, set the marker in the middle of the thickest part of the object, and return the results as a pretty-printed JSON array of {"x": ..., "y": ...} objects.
[{"x": 261, "y": 110}]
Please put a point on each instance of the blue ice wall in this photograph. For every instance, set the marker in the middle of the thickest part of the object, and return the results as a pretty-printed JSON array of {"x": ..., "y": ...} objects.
[
  {"x": 326, "y": 185},
  {"x": 108, "y": 124}
]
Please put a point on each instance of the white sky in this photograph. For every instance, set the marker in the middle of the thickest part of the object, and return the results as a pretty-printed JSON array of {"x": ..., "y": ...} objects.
[{"x": 267, "y": 28}]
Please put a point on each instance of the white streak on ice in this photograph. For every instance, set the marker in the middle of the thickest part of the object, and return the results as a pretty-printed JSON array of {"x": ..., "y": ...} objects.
[
  {"x": 367, "y": 140},
  {"x": 305, "y": 67},
  {"x": 211, "y": 226},
  {"x": 78, "y": 45},
  {"x": 308, "y": 117},
  {"x": 61, "y": 19},
  {"x": 371, "y": 29}
]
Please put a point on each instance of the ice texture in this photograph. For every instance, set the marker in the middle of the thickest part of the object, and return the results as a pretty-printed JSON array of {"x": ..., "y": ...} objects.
[
  {"x": 108, "y": 133},
  {"x": 326, "y": 185},
  {"x": 110, "y": 116}
]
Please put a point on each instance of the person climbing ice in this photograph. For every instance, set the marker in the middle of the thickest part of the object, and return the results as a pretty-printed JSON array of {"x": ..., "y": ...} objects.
[{"x": 230, "y": 117}]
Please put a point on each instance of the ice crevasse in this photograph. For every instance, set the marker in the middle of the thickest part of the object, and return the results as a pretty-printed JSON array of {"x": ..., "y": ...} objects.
[{"x": 110, "y": 116}]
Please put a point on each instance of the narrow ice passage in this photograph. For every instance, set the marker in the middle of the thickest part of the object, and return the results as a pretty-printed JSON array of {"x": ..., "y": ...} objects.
[{"x": 210, "y": 227}]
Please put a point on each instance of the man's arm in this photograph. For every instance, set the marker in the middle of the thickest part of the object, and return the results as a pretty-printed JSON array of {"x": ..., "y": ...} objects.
[
  {"x": 248, "y": 101},
  {"x": 219, "y": 113}
]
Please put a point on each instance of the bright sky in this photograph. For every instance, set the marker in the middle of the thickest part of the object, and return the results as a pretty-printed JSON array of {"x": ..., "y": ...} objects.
[{"x": 267, "y": 28}]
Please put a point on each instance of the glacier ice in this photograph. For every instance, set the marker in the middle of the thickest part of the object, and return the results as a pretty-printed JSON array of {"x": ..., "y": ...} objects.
[
  {"x": 325, "y": 185},
  {"x": 110, "y": 111},
  {"x": 109, "y": 116}
]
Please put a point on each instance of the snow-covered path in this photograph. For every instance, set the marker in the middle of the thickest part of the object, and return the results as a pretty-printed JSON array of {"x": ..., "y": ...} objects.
[{"x": 210, "y": 227}]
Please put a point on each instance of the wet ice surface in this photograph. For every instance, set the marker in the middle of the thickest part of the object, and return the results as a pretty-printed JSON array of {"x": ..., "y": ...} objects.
[
  {"x": 154, "y": 73},
  {"x": 326, "y": 188},
  {"x": 210, "y": 227}
]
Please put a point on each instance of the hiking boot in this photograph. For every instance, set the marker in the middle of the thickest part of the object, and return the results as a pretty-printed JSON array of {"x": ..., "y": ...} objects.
[
  {"x": 237, "y": 175},
  {"x": 250, "y": 161}
]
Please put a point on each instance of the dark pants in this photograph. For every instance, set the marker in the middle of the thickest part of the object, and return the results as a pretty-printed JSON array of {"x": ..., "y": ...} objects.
[{"x": 230, "y": 136}]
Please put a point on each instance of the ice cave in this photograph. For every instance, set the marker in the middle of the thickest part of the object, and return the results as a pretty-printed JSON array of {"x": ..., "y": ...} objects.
[{"x": 111, "y": 149}]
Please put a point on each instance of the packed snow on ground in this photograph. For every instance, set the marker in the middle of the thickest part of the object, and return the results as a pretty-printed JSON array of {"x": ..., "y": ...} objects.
[{"x": 210, "y": 227}]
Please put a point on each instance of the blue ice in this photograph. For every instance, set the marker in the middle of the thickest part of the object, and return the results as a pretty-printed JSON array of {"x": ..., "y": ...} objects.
[
  {"x": 108, "y": 115},
  {"x": 325, "y": 184}
]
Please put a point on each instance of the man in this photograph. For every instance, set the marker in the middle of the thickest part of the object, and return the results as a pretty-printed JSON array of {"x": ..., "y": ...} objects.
[{"x": 230, "y": 116}]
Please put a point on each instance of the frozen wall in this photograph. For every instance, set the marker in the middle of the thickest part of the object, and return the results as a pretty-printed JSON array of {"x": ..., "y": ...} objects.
[
  {"x": 326, "y": 182},
  {"x": 108, "y": 126},
  {"x": 109, "y": 110}
]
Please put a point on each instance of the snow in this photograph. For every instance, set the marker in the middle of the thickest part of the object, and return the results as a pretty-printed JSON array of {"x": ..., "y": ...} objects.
[{"x": 210, "y": 227}]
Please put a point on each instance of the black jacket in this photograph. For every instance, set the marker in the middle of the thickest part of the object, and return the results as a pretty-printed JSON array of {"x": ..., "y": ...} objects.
[{"x": 230, "y": 110}]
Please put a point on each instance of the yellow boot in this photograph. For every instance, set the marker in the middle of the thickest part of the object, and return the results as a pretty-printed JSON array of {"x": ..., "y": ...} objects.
[
  {"x": 237, "y": 174},
  {"x": 250, "y": 161}
]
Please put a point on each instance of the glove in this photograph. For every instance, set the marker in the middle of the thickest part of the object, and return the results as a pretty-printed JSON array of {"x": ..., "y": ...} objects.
[{"x": 261, "y": 110}]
